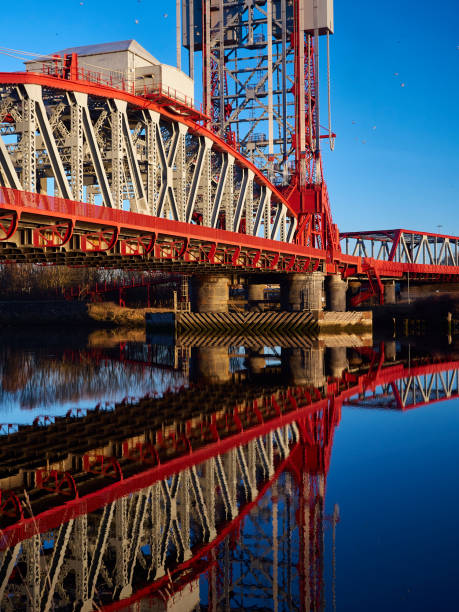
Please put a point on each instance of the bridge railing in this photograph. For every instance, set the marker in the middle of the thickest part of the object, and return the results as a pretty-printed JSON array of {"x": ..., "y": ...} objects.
[{"x": 119, "y": 81}]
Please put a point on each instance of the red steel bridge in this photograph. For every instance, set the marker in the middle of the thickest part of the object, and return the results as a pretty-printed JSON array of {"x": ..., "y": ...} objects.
[
  {"x": 136, "y": 503},
  {"x": 118, "y": 169}
]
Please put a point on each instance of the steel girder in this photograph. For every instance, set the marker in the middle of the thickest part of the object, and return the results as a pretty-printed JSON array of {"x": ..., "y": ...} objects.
[{"x": 79, "y": 231}]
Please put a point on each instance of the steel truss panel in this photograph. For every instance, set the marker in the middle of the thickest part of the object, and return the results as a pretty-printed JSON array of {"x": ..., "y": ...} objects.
[
  {"x": 122, "y": 151},
  {"x": 404, "y": 246},
  {"x": 141, "y": 535}
]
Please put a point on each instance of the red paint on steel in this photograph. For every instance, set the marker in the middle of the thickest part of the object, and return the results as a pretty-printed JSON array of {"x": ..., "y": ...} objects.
[
  {"x": 224, "y": 531},
  {"x": 104, "y": 91},
  {"x": 53, "y": 207}
]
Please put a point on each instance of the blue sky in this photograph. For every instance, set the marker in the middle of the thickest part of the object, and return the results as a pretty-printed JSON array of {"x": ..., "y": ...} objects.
[{"x": 396, "y": 160}]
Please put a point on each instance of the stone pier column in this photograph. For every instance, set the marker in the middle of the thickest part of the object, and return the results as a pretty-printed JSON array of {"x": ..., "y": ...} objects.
[
  {"x": 337, "y": 360},
  {"x": 390, "y": 350},
  {"x": 255, "y": 295},
  {"x": 336, "y": 293},
  {"x": 210, "y": 293},
  {"x": 256, "y": 361},
  {"x": 210, "y": 364},
  {"x": 389, "y": 292},
  {"x": 304, "y": 366},
  {"x": 302, "y": 291}
]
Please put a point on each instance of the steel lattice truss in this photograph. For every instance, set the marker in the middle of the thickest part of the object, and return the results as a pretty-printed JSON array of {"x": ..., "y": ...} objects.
[
  {"x": 260, "y": 568},
  {"x": 424, "y": 386},
  {"x": 127, "y": 152},
  {"x": 104, "y": 555},
  {"x": 403, "y": 246},
  {"x": 252, "y": 57}
]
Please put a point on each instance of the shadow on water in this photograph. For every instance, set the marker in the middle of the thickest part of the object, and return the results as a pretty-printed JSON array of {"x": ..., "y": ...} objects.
[{"x": 199, "y": 480}]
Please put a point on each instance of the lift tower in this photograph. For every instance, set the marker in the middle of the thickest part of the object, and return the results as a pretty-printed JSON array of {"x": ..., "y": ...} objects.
[{"x": 260, "y": 66}]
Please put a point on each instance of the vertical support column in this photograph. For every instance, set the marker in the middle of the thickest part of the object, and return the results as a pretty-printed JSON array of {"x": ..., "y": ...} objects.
[
  {"x": 184, "y": 512},
  {"x": 32, "y": 554},
  {"x": 275, "y": 519},
  {"x": 228, "y": 199},
  {"x": 336, "y": 293},
  {"x": 117, "y": 158},
  {"x": 180, "y": 172},
  {"x": 207, "y": 75},
  {"x": 283, "y": 229},
  {"x": 207, "y": 188},
  {"x": 29, "y": 162},
  {"x": 389, "y": 292},
  {"x": 209, "y": 492},
  {"x": 210, "y": 364},
  {"x": 267, "y": 215},
  {"x": 300, "y": 91},
  {"x": 337, "y": 360},
  {"x": 230, "y": 463},
  {"x": 305, "y": 366},
  {"x": 252, "y": 467},
  {"x": 210, "y": 293},
  {"x": 302, "y": 291},
  {"x": 256, "y": 361},
  {"x": 152, "y": 121},
  {"x": 255, "y": 295},
  {"x": 191, "y": 38},
  {"x": 390, "y": 350},
  {"x": 249, "y": 206},
  {"x": 80, "y": 546},
  {"x": 178, "y": 42},
  {"x": 269, "y": 35},
  {"x": 76, "y": 163},
  {"x": 122, "y": 542},
  {"x": 156, "y": 518}
]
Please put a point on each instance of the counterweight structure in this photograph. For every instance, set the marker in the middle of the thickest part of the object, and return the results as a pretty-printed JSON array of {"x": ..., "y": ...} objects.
[{"x": 260, "y": 61}]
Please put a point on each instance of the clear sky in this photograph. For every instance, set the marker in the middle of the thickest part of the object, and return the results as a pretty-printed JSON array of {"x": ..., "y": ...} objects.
[{"x": 395, "y": 95}]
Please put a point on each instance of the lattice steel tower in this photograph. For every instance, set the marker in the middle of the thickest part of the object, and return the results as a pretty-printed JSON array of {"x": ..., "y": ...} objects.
[{"x": 260, "y": 62}]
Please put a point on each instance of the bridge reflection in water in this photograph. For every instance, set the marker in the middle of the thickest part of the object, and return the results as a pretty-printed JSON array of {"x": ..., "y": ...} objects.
[{"x": 209, "y": 496}]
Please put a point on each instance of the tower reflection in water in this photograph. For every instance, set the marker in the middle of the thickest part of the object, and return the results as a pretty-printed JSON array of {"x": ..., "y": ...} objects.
[{"x": 208, "y": 498}]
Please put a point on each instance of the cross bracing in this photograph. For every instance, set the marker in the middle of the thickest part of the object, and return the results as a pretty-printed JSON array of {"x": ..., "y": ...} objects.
[
  {"x": 403, "y": 246},
  {"x": 105, "y": 555},
  {"x": 127, "y": 156}
]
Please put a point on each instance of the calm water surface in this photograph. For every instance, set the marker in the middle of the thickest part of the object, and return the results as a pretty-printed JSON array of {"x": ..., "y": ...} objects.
[{"x": 349, "y": 505}]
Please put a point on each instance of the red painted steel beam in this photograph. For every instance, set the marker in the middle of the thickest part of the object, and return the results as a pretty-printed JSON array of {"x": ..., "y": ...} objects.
[
  {"x": 46, "y": 207},
  {"x": 205, "y": 549}
]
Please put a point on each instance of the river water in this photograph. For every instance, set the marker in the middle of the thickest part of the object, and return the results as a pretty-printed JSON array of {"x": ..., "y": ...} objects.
[{"x": 335, "y": 486}]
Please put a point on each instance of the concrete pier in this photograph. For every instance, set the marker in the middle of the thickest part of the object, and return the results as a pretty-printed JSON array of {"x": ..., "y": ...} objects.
[
  {"x": 304, "y": 366},
  {"x": 389, "y": 292},
  {"x": 255, "y": 295},
  {"x": 256, "y": 362},
  {"x": 302, "y": 291},
  {"x": 336, "y": 293},
  {"x": 210, "y": 364},
  {"x": 337, "y": 362},
  {"x": 390, "y": 350},
  {"x": 210, "y": 293}
]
